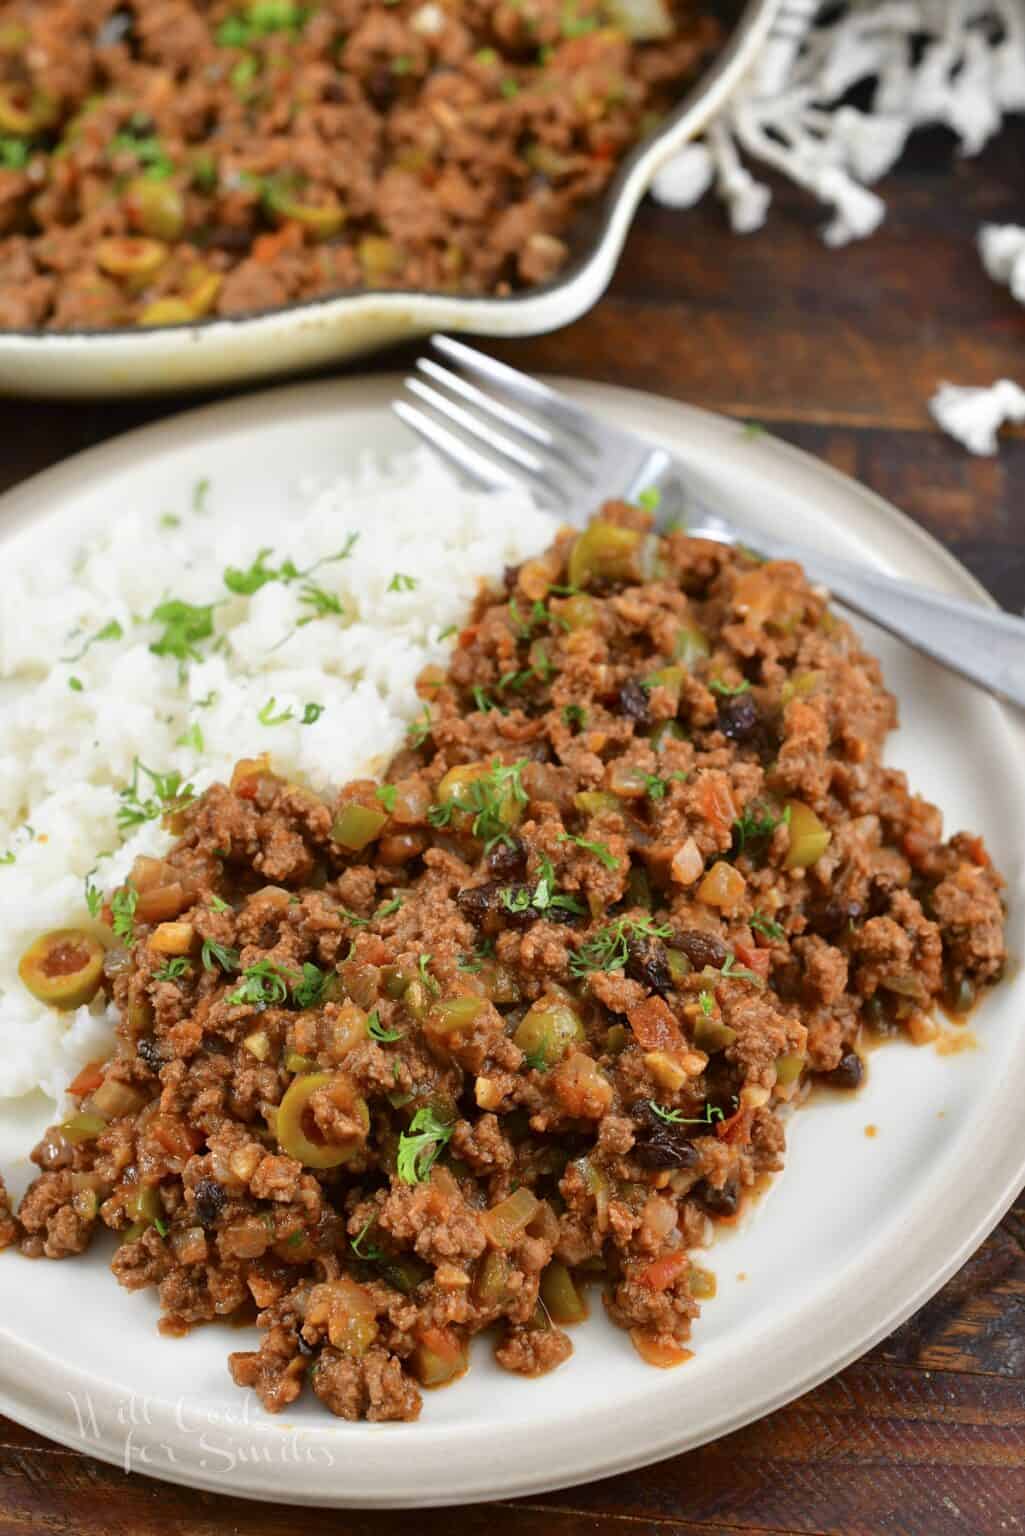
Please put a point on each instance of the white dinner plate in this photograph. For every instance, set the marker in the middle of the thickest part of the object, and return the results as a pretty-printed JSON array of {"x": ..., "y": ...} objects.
[{"x": 856, "y": 1233}]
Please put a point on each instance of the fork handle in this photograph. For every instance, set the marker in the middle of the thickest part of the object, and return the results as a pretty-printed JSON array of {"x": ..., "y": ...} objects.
[{"x": 983, "y": 644}]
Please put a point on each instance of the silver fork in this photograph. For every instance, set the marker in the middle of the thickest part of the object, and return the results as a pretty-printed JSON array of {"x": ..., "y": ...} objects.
[{"x": 509, "y": 430}]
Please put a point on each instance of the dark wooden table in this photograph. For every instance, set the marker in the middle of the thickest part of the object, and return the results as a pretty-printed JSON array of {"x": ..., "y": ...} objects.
[{"x": 837, "y": 352}]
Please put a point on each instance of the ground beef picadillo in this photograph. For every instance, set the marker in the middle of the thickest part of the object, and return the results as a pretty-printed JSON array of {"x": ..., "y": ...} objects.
[
  {"x": 436, "y": 1054},
  {"x": 166, "y": 160}
]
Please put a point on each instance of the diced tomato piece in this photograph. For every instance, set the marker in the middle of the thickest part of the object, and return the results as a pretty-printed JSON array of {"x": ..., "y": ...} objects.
[
  {"x": 737, "y": 1127},
  {"x": 716, "y": 803},
  {"x": 176, "y": 1138},
  {"x": 655, "y": 1027},
  {"x": 656, "y": 1351},
  {"x": 88, "y": 1080},
  {"x": 268, "y": 248},
  {"x": 757, "y": 960},
  {"x": 467, "y": 636},
  {"x": 660, "y": 1273}
]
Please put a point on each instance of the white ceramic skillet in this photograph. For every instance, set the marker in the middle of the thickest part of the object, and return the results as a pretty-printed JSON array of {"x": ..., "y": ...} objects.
[{"x": 226, "y": 351}]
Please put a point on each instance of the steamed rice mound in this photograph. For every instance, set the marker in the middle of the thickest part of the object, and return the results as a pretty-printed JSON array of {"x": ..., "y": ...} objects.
[{"x": 73, "y": 729}]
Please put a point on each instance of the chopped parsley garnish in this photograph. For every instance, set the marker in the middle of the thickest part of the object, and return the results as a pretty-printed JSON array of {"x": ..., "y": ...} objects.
[
  {"x": 543, "y": 897},
  {"x": 172, "y": 969},
  {"x": 170, "y": 520},
  {"x": 386, "y": 793},
  {"x": 574, "y": 715},
  {"x": 757, "y": 823},
  {"x": 75, "y": 684},
  {"x": 753, "y": 429},
  {"x": 727, "y": 690},
  {"x": 93, "y": 894},
  {"x": 122, "y": 906},
  {"x": 377, "y": 1031},
  {"x": 402, "y": 583},
  {"x": 601, "y": 851},
  {"x": 312, "y": 713},
  {"x": 650, "y": 499},
  {"x": 448, "y": 632},
  {"x": 111, "y": 631},
  {"x": 387, "y": 908},
  {"x": 193, "y": 738},
  {"x": 169, "y": 794},
  {"x": 262, "y": 984},
  {"x": 509, "y": 88},
  {"x": 482, "y": 699},
  {"x": 539, "y": 617},
  {"x": 677, "y": 1117},
  {"x": 200, "y": 495},
  {"x": 219, "y": 954},
  {"x": 260, "y": 19},
  {"x": 420, "y": 729},
  {"x": 245, "y": 582},
  {"x": 740, "y": 972},
  {"x": 185, "y": 624},
  {"x": 425, "y": 975},
  {"x": 155, "y": 162},
  {"x": 309, "y": 991},
  {"x": 489, "y": 800},
  {"x": 266, "y": 715},
  {"x": 766, "y": 925},
  {"x": 706, "y": 1002},
  {"x": 421, "y": 1146},
  {"x": 321, "y": 601},
  {"x": 608, "y": 949},
  {"x": 472, "y": 963},
  {"x": 161, "y": 1225},
  {"x": 217, "y": 904},
  {"x": 656, "y": 787},
  {"x": 211, "y": 698},
  {"x": 7, "y": 858},
  {"x": 363, "y": 1249},
  {"x": 535, "y": 1060}
]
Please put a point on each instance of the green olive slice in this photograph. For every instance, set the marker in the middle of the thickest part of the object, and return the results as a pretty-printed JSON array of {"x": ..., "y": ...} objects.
[
  {"x": 63, "y": 968},
  {"x": 293, "y": 1123}
]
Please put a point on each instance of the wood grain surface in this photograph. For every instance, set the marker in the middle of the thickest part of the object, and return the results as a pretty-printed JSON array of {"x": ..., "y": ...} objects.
[{"x": 837, "y": 352}]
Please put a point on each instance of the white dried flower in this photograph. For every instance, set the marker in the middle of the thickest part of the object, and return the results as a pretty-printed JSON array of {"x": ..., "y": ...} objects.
[{"x": 974, "y": 416}]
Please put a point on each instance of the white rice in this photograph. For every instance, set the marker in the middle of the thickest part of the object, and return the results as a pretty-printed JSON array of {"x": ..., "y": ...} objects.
[{"x": 65, "y": 754}]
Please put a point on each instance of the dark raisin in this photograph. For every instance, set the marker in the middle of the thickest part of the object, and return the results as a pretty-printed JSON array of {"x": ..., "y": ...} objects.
[
  {"x": 717, "y": 1202},
  {"x": 149, "y": 1051},
  {"x": 381, "y": 87},
  {"x": 478, "y": 902},
  {"x": 666, "y": 1148},
  {"x": 632, "y": 701},
  {"x": 850, "y": 1072},
  {"x": 831, "y": 919},
  {"x": 738, "y": 717},
  {"x": 701, "y": 948},
  {"x": 880, "y": 893},
  {"x": 507, "y": 859},
  {"x": 646, "y": 962},
  {"x": 210, "y": 1199},
  {"x": 226, "y": 237}
]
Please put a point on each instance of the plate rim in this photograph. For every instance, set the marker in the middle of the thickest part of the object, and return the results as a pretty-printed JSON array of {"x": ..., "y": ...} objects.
[{"x": 23, "y": 1396}]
